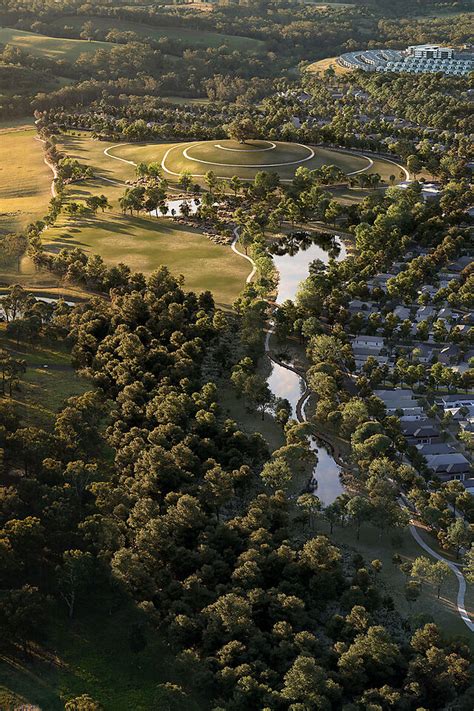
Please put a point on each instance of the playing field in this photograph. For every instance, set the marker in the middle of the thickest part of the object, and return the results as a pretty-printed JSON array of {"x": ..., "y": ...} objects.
[
  {"x": 25, "y": 181},
  {"x": 53, "y": 47}
]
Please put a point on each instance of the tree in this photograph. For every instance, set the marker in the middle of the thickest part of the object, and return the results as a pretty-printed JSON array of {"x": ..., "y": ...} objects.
[
  {"x": 74, "y": 576},
  {"x": 459, "y": 535},
  {"x": 82, "y": 703},
  {"x": 235, "y": 184},
  {"x": 22, "y": 615},
  {"x": 311, "y": 505},
  {"x": 359, "y": 509},
  {"x": 412, "y": 591},
  {"x": 211, "y": 180},
  {"x": 469, "y": 564},
  {"x": 185, "y": 180},
  {"x": 305, "y": 682},
  {"x": 241, "y": 129},
  {"x": 276, "y": 473},
  {"x": 414, "y": 165}
]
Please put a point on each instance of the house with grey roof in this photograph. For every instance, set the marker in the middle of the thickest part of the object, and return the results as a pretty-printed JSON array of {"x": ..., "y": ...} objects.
[
  {"x": 421, "y": 432},
  {"x": 453, "y": 465}
]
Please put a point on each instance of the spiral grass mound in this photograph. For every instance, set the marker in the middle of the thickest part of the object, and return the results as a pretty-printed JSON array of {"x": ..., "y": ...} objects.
[{"x": 227, "y": 158}]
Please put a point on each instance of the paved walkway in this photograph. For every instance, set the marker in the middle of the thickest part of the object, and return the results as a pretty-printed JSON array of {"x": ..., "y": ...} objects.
[{"x": 301, "y": 416}]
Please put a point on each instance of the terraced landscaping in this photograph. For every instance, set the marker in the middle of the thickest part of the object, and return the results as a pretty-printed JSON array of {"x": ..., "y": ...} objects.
[{"x": 227, "y": 158}]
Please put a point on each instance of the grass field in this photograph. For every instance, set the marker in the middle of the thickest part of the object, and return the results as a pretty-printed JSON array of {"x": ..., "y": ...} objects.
[
  {"x": 321, "y": 65},
  {"x": 49, "y": 380},
  {"x": 91, "y": 654},
  {"x": 191, "y": 37},
  {"x": 53, "y": 47},
  {"x": 373, "y": 544},
  {"x": 25, "y": 181},
  {"x": 183, "y": 100},
  {"x": 144, "y": 243},
  {"x": 227, "y": 158}
]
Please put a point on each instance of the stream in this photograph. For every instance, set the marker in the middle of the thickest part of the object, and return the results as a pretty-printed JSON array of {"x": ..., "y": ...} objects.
[{"x": 293, "y": 262}]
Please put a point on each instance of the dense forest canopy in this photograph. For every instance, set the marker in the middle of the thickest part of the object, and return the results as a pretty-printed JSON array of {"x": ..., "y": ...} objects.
[{"x": 167, "y": 491}]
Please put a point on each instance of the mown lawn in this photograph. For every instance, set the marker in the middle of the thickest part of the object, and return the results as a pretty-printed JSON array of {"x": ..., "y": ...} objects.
[
  {"x": 92, "y": 654},
  {"x": 145, "y": 243},
  {"x": 382, "y": 546},
  {"x": 25, "y": 180}
]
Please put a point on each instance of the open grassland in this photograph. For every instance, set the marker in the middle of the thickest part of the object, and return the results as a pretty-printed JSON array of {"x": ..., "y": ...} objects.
[
  {"x": 322, "y": 65},
  {"x": 53, "y": 47},
  {"x": 145, "y": 243},
  {"x": 374, "y": 544},
  {"x": 47, "y": 383},
  {"x": 15, "y": 124},
  {"x": 186, "y": 36},
  {"x": 184, "y": 100},
  {"x": 25, "y": 180},
  {"x": 91, "y": 654}
]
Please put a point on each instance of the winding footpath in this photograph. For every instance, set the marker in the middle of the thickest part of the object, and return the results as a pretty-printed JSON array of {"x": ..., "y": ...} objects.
[
  {"x": 301, "y": 417},
  {"x": 311, "y": 155},
  {"x": 52, "y": 168}
]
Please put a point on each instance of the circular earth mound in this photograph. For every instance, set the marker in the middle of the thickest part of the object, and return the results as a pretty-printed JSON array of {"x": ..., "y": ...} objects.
[{"x": 227, "y": 158}]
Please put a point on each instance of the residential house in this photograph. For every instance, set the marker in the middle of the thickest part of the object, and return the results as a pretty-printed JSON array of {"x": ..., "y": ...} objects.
[
  {"x": 425, "y": 313},
  {"x": 449, "y": 355},
  {"x": 437, "y": 448},
  {"x": 424, "y": 353},
  {"x": 403, "y": 312},
  {"x": 456, "y": 400},
  {"x": 421, "y": 432},
  {"x": 375, "y": 343},
  {"x": 453, "y": 465},
  {"x": 460, "y": 263}
]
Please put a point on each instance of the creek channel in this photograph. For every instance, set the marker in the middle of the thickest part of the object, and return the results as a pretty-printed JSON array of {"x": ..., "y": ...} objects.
[{"x": 292, "y": 259}]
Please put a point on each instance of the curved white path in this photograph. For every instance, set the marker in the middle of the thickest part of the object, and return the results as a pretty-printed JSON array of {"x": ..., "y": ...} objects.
[
  {"x": 460, "y": 577},
  {"x": 366, "y": 167},
  {"x": 245, "y": 256},
  {"x": 52, "y": 168},
  {"x": 109, "y": 155},
  {"x": 271, "y": 147},
  {"x": 248, "y": 165},
  {"x": 369, "y": 160}
]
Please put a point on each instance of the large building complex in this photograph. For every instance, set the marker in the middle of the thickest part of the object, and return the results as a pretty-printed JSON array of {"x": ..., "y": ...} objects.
[{"x": 416, "y": 59}]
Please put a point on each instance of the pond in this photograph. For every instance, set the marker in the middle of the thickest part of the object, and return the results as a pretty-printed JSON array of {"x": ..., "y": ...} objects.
[
  {"x": 174, "y": 207},
  {"x": 292, "y": 258}
]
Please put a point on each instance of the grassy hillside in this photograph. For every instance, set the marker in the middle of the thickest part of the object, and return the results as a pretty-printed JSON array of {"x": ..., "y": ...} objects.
[
  {"x": 49, "y": 380},
  {"x": 191, "y": 37},
  {"x": 53, "y": 47},
  {"x": 25, "y": 181},
  {"x": 91, "y": 654}
]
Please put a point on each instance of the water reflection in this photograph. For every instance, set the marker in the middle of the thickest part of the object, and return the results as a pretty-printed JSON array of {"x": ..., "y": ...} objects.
[
  {"x": 286, "y": 384},
  {"x": 173, "y": 207},
  {"x": 294, "y": 254},
  {"x": 293, "y": 257}
]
